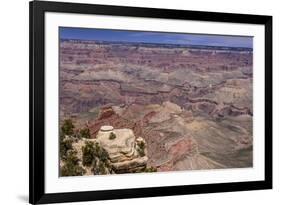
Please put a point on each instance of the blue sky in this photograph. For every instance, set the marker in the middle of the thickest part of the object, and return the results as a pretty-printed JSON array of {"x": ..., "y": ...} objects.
[{"x": 155, "y": 37}]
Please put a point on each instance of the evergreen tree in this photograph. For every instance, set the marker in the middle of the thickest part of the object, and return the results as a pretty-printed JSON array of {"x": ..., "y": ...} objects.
[
  {"x": 71, "y": 166},
  {"x": 67, "y": 127},
  {"x": 85, "y": 133}
]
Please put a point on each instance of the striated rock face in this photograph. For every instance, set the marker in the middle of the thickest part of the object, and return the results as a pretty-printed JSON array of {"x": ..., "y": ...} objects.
[
  {"x": 123, "y": 149},
  {"x": 193, "y": 106},
  {"x": 106, "y": 112},
  {"x": 94, "y": 74}
]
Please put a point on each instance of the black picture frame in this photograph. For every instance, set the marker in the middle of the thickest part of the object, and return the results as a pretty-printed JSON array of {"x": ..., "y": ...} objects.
[{"x": 37, "y": 11}]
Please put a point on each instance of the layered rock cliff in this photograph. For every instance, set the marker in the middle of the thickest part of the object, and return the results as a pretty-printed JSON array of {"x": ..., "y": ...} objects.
[
  {"x": 125, "y": 152},
  {"x": 192, "y": 106}
]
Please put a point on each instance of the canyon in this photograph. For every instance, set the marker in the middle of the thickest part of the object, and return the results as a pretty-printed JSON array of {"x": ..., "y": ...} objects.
[{"x": 192, "y": 105}]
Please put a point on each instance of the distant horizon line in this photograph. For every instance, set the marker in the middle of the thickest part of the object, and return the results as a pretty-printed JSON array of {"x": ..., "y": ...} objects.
[{"x": 153, "y": 43}]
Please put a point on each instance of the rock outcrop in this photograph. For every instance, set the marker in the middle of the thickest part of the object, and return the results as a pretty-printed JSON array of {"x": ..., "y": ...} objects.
[{"x": 126, "y": 153}]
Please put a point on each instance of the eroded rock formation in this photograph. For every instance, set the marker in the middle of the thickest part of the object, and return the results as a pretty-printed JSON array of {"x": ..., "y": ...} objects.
[{"x": 125, "y": 153}]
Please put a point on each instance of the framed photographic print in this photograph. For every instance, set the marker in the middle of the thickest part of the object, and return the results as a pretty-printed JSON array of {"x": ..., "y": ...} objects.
[{"x": 140, "y": 102}]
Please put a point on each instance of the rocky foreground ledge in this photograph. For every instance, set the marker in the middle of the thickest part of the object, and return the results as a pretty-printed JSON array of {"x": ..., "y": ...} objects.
[{"x": 126, "y": 153}]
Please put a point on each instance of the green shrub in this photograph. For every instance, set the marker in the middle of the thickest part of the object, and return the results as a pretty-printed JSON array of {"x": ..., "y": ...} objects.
[
  {"x": 103, "y": 155},
  {"x": 65, "y": 146},
  {"x": 141, "y": 145},
  {"x": 150, "y": 169},
  {"x": 76, "y": 136},
  {"x": 67, "y": 127},
  {"x": 141, "y": 148},
  {"x": 96, "y": 157},
  {"x": 141, "y": 152},
  {"x": 88, "y": 154},
  {"x": 112, "y": 136},
  {"x": 100, "y": 168},
  {"x": 85, "y": 133},
  {"x": 92, "y": 152},
  {"x": 71, "y": 166}
]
